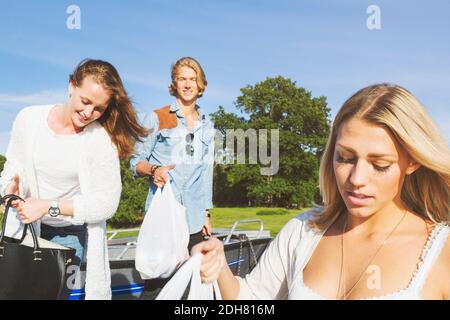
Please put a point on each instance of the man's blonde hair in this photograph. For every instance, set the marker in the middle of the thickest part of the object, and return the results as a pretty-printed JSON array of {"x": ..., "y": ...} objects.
[
  {"x": 193, "y": 64},
  {"x": 427, "y": 190}
]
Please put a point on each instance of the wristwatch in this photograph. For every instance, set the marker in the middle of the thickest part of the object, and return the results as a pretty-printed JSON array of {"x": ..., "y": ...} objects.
[{"x": 54, "y": 211}]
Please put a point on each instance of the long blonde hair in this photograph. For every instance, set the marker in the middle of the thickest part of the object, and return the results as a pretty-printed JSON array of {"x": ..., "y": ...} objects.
[{"x": 427, "y": 190}]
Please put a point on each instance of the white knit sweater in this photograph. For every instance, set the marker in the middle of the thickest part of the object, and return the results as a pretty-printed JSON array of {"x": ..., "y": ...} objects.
[{"x": 100, "y": 183}]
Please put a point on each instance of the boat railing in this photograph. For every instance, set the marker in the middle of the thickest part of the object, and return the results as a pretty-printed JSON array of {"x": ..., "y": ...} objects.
[
  {"x": 123, "y": 244},
  {"x": 120, "y": 246},
  {"x": 239, "y": 222},
  {"x": 111, "y": 234}
]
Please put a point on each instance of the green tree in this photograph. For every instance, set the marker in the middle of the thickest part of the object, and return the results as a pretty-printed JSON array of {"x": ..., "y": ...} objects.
[
  {"x": 132, "y": 201},
  {"x": 2, "y": 162},
  {"x": 303, "y": 121}
]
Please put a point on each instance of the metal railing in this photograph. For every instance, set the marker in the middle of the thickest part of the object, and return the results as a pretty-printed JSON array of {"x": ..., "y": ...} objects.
[
  {"x": 114, "y": 233},
  {"x": 233, "y": 228},
  {"x": 111, "y": 234}
]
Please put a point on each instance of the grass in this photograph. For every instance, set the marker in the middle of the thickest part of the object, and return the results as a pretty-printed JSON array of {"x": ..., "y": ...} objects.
[
  {"x": 273, "y": 219},
  {"x": 124, "y": 234}
]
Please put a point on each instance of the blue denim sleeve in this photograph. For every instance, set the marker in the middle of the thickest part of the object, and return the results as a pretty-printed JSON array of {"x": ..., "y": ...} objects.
[
  {"x": 208, "y": 170},
  {"x": 144, "y": 148}
]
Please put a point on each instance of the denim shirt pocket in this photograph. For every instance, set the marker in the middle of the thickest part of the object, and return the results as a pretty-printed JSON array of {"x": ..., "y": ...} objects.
[
  {"x": 168, "y": 145},
  {"x": 169, "y": 137},
  {"x": 206, "y": 142}
]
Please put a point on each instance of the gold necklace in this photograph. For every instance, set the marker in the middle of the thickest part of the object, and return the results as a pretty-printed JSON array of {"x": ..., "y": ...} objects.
[{"x": 342, "y": 275}]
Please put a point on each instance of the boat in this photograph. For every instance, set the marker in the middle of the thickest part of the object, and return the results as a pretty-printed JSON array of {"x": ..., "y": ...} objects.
[{"x": 243, "y": 248}]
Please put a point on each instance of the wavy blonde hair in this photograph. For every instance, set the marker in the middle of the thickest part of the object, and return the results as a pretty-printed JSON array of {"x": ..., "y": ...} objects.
[
  {"x": 427, "y": 190},
  {"x": 202, "y": 83}
]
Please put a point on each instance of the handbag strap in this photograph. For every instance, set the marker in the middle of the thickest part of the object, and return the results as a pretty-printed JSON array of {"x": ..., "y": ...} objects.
[{"x": 7, "y": 200}]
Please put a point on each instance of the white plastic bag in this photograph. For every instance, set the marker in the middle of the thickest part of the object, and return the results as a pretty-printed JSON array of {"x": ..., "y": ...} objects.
[
  {"x": 14, "y": 225},
  {"x": 190, "y": 270},
  {"x": 163, "y": 238}
]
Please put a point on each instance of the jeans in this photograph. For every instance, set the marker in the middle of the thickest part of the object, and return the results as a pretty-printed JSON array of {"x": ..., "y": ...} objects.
[{"x": 72, "y": 237}]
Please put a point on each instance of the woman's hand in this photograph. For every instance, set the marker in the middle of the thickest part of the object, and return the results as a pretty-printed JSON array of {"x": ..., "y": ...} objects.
[
  {"x": 13, "y": 188},
  {"x": 32, "y": 209},
  {"x": 213, "y": 260},
  {"x": 161, "y": 177}
]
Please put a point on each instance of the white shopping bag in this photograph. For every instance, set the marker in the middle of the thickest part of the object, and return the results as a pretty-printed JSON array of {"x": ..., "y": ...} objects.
[
  {"x": 189, "y": 271},
  {"x": 14, "y": 226},
  {"x": 163, "y": 238}
]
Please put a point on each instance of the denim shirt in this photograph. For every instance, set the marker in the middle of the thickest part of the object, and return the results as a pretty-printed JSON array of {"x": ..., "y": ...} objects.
[{"x": 192, "y": 177}]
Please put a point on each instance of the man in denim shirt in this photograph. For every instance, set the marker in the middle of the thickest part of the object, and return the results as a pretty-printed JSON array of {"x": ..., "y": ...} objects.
[{"x": 180, "y": 148}]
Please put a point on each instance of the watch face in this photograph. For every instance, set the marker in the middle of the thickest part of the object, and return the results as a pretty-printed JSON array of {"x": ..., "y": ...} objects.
[{"x": 53, "y": 212}]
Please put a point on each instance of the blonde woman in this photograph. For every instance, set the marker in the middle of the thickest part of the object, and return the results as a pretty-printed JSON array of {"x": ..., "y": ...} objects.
[{"x": 383, "y": 232}]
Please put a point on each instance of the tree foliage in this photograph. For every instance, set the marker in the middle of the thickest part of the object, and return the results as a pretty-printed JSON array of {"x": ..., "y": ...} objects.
[
  {"x": 2, "y": 162},
  {"x": 303, "y": 121},
  {"x": 132, "y": 201}
]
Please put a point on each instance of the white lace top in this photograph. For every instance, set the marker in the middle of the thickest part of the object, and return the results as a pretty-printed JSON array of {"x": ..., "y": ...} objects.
[{"x": 279, "y": 273}]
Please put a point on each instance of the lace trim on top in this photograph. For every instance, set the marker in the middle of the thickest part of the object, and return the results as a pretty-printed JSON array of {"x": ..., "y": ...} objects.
[
  {"x": 418, "y": 270},
  {"x": 419, "y": 266}
]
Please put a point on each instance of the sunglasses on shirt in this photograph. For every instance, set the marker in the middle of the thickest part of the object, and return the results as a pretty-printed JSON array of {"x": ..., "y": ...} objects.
[{"x": 189, "y": 145}]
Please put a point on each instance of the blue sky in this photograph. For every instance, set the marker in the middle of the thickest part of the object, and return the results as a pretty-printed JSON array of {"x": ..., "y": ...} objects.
[{"x": 324, "y": 46}]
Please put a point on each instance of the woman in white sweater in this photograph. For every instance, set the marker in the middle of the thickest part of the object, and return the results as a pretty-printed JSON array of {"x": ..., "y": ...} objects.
[
  {"x": 64, "y": 161},
  {"x": 383, "y": 232}
]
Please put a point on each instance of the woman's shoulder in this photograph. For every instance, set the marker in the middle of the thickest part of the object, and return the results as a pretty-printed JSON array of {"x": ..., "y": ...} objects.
[
  {"x": 440, "y": 238},
  {"x": 438, "y": 244},
  {"x": 304, "y": 218},
  {"x": 97, "y": 138},
  {"x": 300, "y": 225},
  {"x": 443, "y": 227},
  {"x": 446, "y": 247},
  {"x": 32, "y": 111}
]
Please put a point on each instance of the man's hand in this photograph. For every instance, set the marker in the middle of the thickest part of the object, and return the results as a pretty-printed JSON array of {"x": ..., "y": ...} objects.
[
  {"x": 207, "y": 227},
  {"x": 161, "y": 177}
]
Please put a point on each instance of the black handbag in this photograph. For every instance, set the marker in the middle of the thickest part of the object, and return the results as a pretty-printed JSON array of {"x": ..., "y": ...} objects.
[{"x": 30, "y": 272}]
